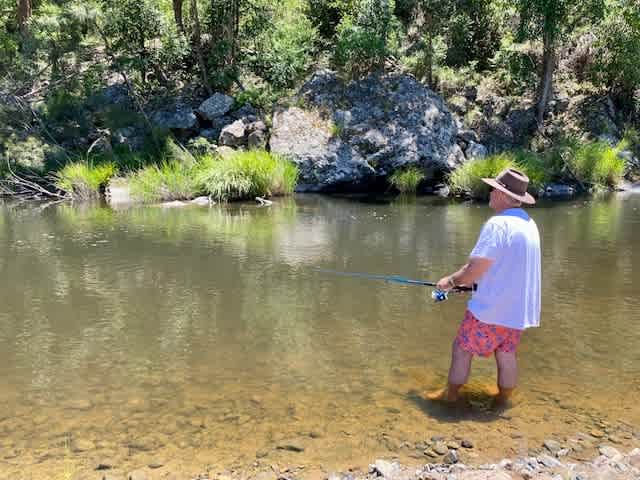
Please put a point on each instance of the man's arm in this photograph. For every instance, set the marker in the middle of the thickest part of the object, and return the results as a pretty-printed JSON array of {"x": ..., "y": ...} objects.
[{"x": 470, "y": 273}]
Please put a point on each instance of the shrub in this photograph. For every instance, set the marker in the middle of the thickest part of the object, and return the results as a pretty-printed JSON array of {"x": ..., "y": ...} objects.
[
  {"x": 83, "y": 181},
  {"x": 284, "y": 51},
  {"x": 248, "y": 174},
  {"x": 407, "y": 181},
  {"x": 171, "y": 180},
  {"x": 363, "y": 39}
]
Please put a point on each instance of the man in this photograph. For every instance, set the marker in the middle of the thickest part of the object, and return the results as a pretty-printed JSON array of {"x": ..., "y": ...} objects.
[{"x": 505, "y": 265}]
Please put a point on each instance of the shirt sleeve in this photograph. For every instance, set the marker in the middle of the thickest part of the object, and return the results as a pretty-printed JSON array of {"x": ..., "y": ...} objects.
[{"x": 489, "y": 243}]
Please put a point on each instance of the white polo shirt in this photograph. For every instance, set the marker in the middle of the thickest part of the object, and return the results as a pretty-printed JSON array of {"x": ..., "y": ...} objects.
[{"x": 508, "y": 293}]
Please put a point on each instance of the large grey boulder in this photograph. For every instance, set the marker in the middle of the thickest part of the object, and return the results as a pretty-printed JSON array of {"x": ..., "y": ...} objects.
[
  {"x": 215, "y": 106},
  {"x": 233, "y": 135},
  {"x": 348, "y": 134},
  {"x": 179, "y": 118}
]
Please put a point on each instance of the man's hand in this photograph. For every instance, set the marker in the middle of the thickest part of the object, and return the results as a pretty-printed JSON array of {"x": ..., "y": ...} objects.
[{"x": 443, "y": 284}]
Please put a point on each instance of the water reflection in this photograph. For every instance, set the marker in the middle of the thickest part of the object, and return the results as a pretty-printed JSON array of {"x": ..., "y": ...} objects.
[{"x": 202, "y": 310}]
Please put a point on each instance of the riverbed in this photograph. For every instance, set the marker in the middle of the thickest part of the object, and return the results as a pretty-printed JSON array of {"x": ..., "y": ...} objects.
[{"x": 201, "y": 338}]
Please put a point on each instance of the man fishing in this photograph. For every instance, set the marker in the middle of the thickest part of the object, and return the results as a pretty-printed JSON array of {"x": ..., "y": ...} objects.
[{"x": 505, "y": 265}]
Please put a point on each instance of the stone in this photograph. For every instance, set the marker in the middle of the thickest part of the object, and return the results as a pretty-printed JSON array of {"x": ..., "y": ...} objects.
[
  {"x": 440, "y": 448},
  {"x": 105, "y": 464},
  {"x": 597, "y": 433},
  {"x": 385, "y": 469},
  {"x": 553, "y": 446},
  {"x": 154, "y": 464},
  {"x": 350, "y": 134},
  {"x": 608, "y": 451},
  {"x": 215, "y": 106},
  {"x": 548, "y": 461},
  {"x": 467, "y": 443},
  {"x": 137, "y": 475},
  {"x": 291, "y": 446},
  {"x": 79, "y": 446},
  {"x": 256, "y": 139},
  {"x": 179, "y": 118},
  {"x": 475, "y": 150},
  {"x": 453, "y": 445},
  {"x": 233, "y": 135},
  {"x": 451, "y": 457}
]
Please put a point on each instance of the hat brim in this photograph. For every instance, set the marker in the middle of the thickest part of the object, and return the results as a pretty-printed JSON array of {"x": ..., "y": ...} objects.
[{"x": 526, "y": 198}]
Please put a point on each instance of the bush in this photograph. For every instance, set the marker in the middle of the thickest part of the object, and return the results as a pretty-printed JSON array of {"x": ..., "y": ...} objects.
[
  {"x": 248, "y": 174},
  {"x": 284, "y": 51},
  {"x": 407, "y": 181},
  {"x": 83, "y": 181},
  {"x": 363, "y": 39},
  {"x": 171, "y": 180}
]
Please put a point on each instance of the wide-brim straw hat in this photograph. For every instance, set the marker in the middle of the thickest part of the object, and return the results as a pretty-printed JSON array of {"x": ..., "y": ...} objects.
[{"x": 512, "y": 182}]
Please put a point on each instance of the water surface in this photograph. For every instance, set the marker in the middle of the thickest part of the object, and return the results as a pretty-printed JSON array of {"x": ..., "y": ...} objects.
[{"x": 206, "y": 338}]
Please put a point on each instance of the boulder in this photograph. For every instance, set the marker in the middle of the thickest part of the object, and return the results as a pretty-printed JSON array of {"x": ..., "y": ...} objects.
[
  {"x": 476, "y": 150},
  {"x": 233, "y": 135},
  {"x": 215, "y": 106},
  {"x": 179, "y": 118},
  {"x": 348, "y": 134}
]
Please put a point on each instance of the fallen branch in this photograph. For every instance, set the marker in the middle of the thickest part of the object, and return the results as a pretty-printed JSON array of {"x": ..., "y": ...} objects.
[{"x": 263, "y": 201}]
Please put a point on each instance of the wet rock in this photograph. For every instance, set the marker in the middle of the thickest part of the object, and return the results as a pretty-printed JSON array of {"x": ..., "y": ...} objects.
[
  {"x": 385, "y": 469},
  {"x": 215, "y": 106},
  {"x": 79, "y": 446},
  {"x": 291, "y": 446},
  {"x": 608, "y": 451},
  {"x": 105, "y": 464},
  {"x": 451, "y": 457},
  {"x": 548, "y": 461},
  {"x": 453, "y": 445},
  {"x": 113, "y": 476},
  {"x": 79, "y": 404},
  {"x": 440, "y": 448},
  {"x": 467, "y": 443},
  {"x": 552, "y": 445},
  {"x": 597, "y": 433},
  {"x": 137, "y": 475}
]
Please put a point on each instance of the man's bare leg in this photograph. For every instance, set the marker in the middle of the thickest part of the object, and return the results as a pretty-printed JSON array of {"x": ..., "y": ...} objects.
[
  {"x": 458, "y": 375},
  {"x": 507, "y": 375}
]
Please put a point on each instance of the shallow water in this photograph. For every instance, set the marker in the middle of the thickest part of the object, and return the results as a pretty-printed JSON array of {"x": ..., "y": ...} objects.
[{"x": 206, "y": 339}]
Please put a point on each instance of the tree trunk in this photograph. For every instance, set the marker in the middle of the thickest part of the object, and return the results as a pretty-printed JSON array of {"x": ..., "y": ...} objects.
[
  {"x": 429, "y": 59},
  {"x": 24, "y": 14},
  {"x": 177, "y": 13},
  {"x": 198, "y": 46},
  {"x": 545, "y": 89}
]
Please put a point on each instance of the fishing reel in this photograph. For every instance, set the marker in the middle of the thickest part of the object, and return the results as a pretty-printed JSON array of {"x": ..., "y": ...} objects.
[{"x": 439, "y": 295}]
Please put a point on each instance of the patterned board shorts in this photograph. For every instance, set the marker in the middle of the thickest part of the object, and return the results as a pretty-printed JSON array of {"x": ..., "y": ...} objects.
[{"x": 484, "y": 339}]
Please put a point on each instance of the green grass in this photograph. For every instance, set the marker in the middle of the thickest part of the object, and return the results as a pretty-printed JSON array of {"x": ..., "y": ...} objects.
[
  {"x": 407, "y": 181},
  {"x": 171, "y": 180},
  {"x": 466, "y": 180},
  {"x": 597, "y": 164},
  {"x": 83, "y": 181},
  {"x": 248, "y": 174}
]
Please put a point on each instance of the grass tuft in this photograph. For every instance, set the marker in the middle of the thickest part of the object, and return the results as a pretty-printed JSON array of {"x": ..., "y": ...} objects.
[
  {"x": 407, "y": 181},
  {"x": 83, "y": 181},
  {"x": 248, "y": 174}
]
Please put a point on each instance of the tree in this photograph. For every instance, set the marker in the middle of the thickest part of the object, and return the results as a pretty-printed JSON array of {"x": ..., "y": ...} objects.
[
  {"x": 177, "y": 14},
  {"x": 24, "y": 12},
  {"x": 550, "y": 20},
  {"x": 197, "y": 39},
  {"x": 433, "y": 16}
]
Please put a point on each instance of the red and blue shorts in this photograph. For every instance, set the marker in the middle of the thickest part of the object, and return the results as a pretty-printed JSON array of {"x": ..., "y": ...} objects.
[{"x": 484, "y": 339}]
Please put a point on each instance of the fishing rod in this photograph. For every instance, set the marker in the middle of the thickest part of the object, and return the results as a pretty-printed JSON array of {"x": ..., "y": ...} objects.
[{"x": 437, "y": 295}]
